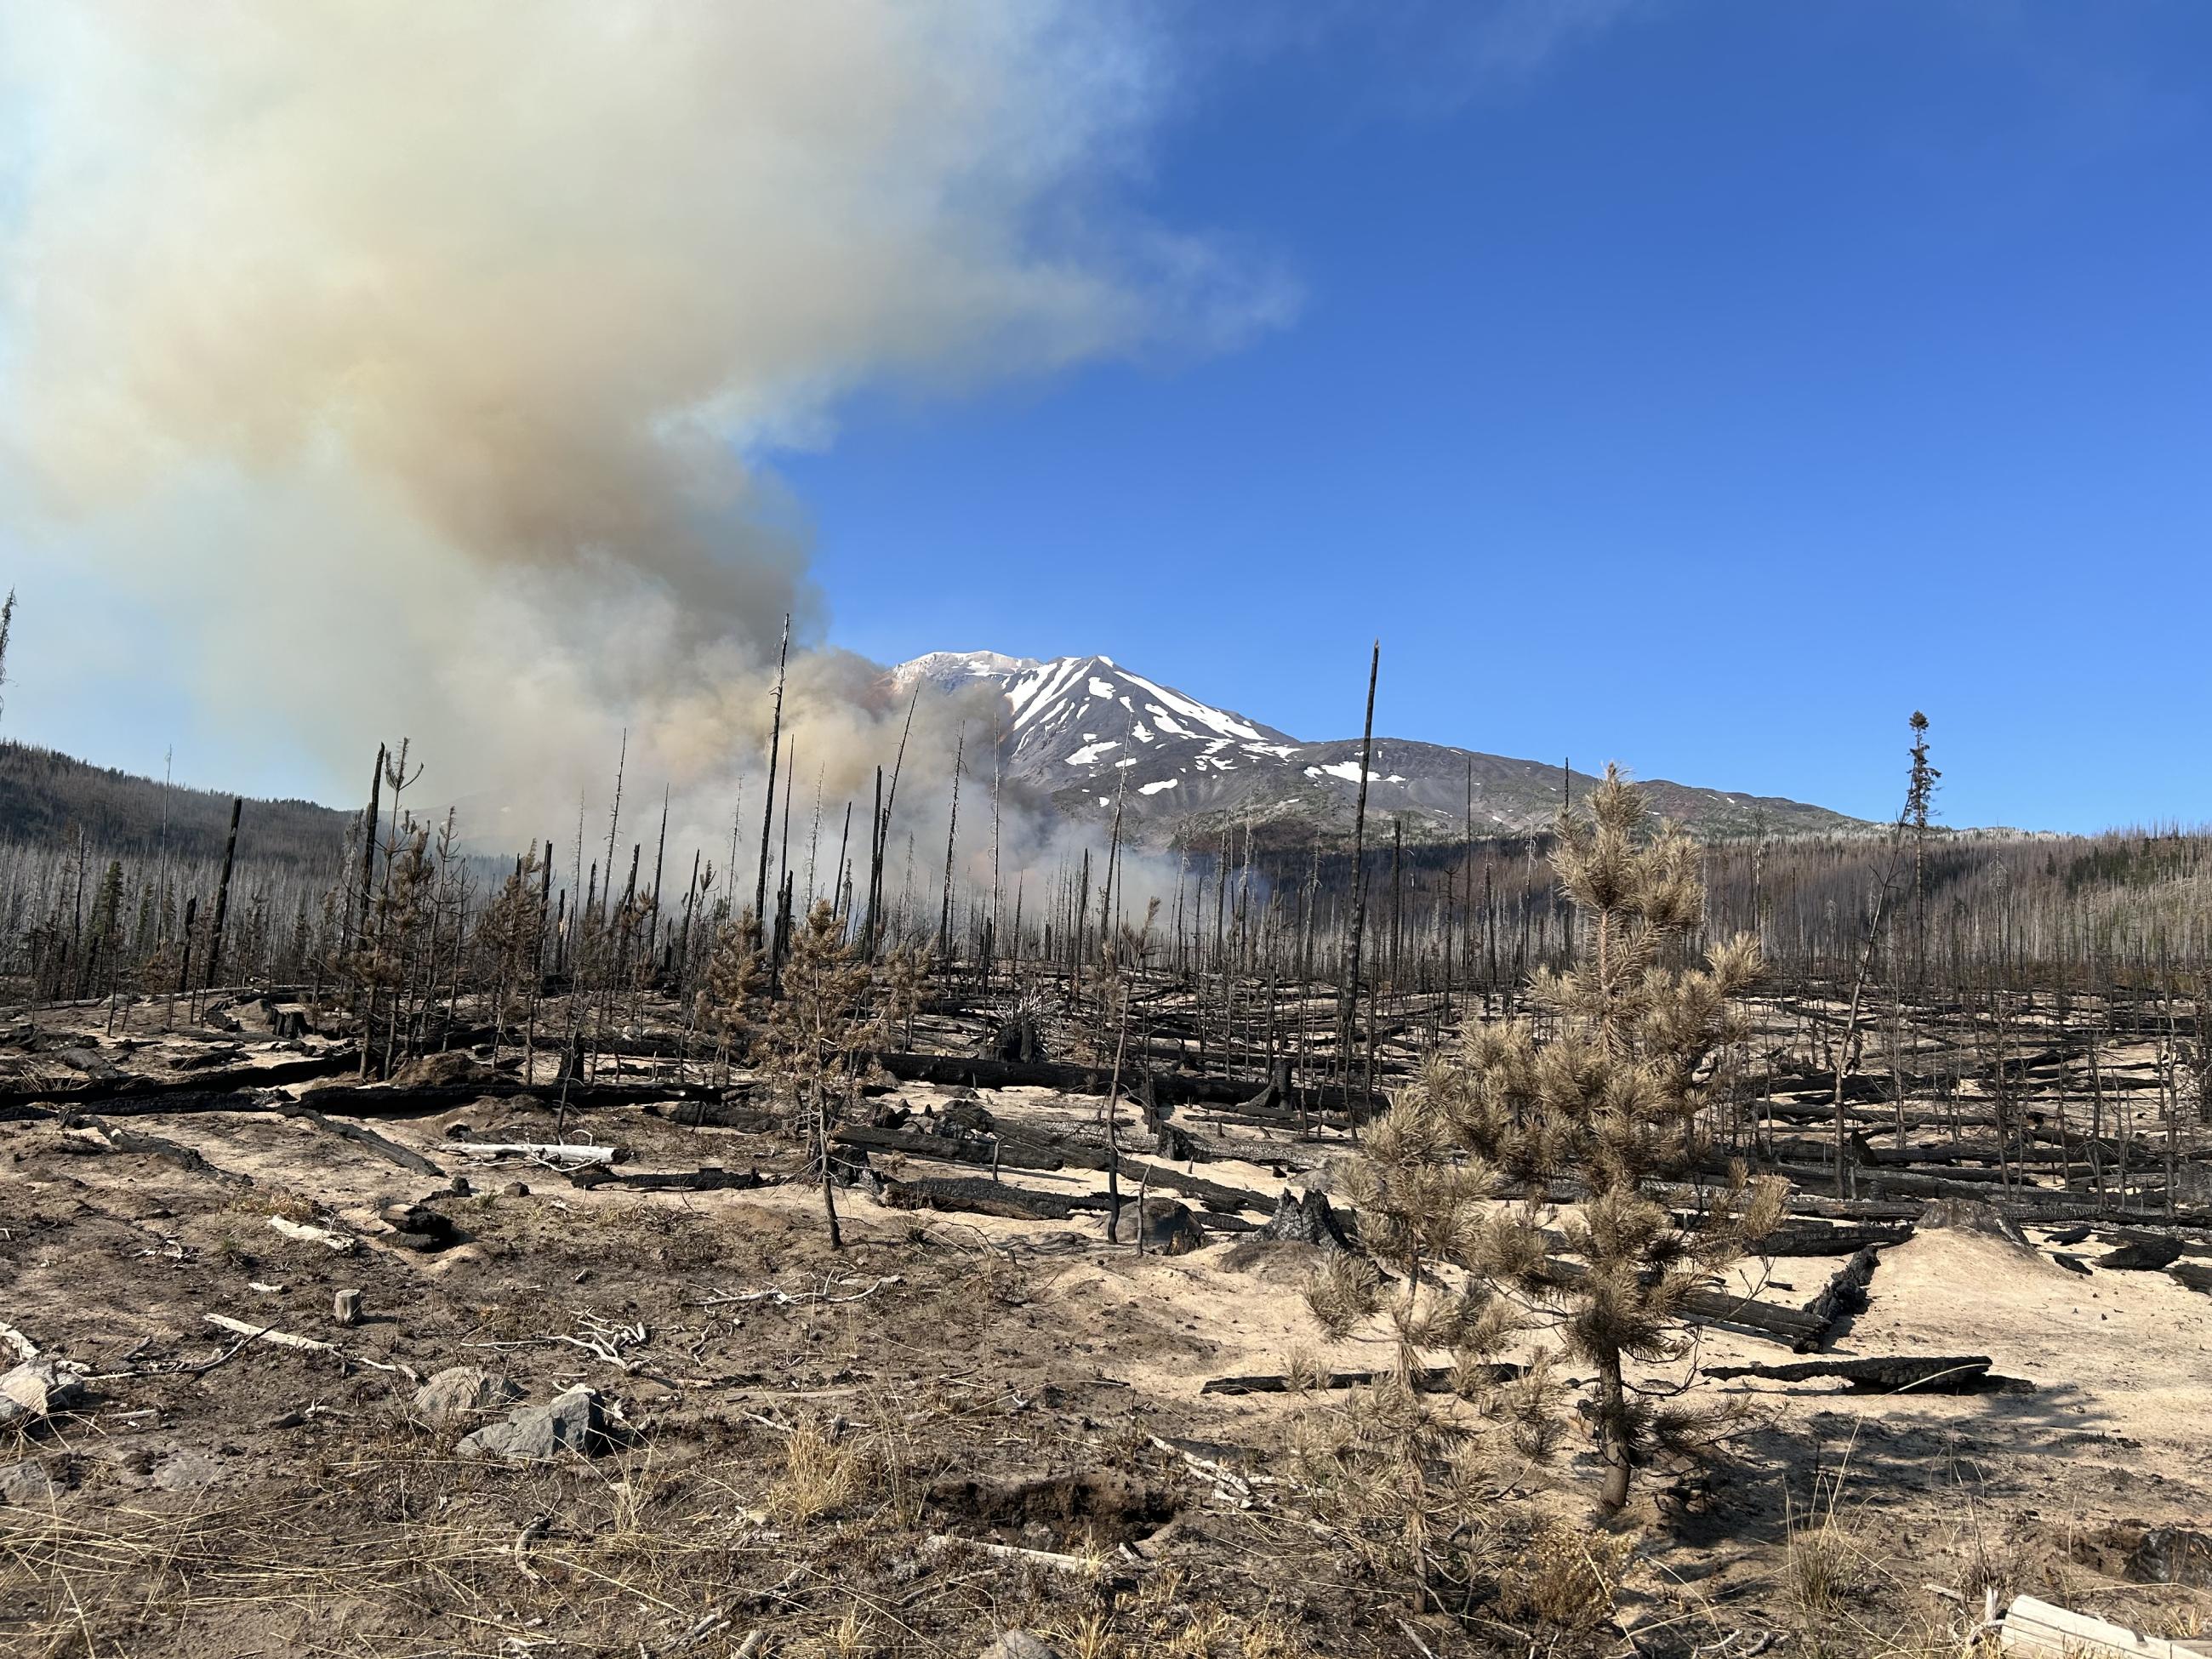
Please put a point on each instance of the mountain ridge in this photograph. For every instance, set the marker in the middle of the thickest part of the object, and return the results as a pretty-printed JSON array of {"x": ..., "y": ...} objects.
[{"x": 1095, "y": 737}]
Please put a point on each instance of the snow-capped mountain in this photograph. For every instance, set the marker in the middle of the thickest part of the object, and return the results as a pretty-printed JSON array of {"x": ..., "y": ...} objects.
[{"x": 1090, "y": 733}]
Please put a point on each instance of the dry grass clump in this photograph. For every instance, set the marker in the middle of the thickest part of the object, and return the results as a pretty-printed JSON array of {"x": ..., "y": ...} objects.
[
  {"x": 2184, "y": 1621},
  {"x": 261, "y": 1201},
  {"x": 1822, "y": 1569},
  {"x": 824, "y": 1474},
  {"x": 1564, "y": 1577},
  {"x": 1422, "y": 1492},
  {"x": 1995, "y": 1561},
  {"x": 1411, "y": 1493},
  {"x": 671, "y": 1237},
  {"x": 388, "y": 1542},
  {"x": 1163, "y": 1620},
  {"x": 510, "y": 1320}
]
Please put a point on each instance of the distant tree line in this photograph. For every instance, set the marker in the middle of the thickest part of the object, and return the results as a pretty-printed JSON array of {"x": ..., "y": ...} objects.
[{"x": 46, "y": 798}]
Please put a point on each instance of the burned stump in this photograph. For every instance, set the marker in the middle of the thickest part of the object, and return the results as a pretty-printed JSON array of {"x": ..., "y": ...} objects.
[{"x": 1306, "y": 1220}]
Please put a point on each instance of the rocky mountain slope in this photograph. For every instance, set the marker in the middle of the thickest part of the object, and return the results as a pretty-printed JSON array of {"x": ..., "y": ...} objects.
[{"x": 1086, "y": 731}]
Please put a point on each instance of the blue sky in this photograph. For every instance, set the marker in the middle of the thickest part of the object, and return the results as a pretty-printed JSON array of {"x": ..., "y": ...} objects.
[
  {"x": 1708, "y": 393},
  {"x": 1700, "y": 384}
]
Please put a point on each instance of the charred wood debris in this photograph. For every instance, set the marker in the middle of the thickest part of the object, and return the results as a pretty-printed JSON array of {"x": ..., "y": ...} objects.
[{"x": 1920, "y": 1058}]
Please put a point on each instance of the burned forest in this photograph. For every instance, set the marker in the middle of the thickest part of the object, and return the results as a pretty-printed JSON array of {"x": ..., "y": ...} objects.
[{"x": 1592, "y": 1241}]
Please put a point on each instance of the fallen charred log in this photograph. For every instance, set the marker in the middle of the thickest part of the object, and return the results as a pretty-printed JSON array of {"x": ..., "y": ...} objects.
[
  {"x": 178, "y": 1105},
  {"x": 422, "y": 1100},
  {"x": 1831, "y": 1241},
  {"x": 2140, "y": 1251},
  {"x": 740, "y": 1113},
  {"x": 1006, "y": 1152},
  {"x": 1897, "y": 1374},
  {"x": 183, "y": 1157},
  {"x": 1847, "y": 1293},
  {"x": 970, "y": 1196},
  {"x": 1212, "y": 1193},
  {"x": 1429, "y": 1379},
  {"x": 1168, "y": 1087},
  {"x": 405, "y": 1156},
  {"x": 1800, "y": 1330},
  {"x": 708, "y": 1178},
  {"x": 157, "y": 1093}
]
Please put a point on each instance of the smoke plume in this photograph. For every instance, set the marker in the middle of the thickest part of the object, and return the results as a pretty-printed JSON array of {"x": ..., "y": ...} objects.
[{"x": 416, "y": 360}]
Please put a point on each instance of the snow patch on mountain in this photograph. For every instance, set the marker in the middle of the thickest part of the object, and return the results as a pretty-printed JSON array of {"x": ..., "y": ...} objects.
[
  {"x": 953, "y": 670},
  {"x": 1076, "y": 725}
]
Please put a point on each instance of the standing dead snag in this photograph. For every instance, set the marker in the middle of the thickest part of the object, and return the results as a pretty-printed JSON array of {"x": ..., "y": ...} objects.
[
  {"x": 1348, "y": 1022},
  {"x": 1919, "y": 803},
  {"x": 1912, "y": 816},
  {"x": 952, "y": 834},
  {"x": 1611, "y": 1100},
  {"x": 818, "y": 1036},
  {"x": 775, "y": 745},
  {"x": 223, "y": 896}
]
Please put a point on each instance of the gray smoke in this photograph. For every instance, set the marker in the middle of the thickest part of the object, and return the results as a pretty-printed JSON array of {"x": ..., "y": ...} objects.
[{"x": 416, "y": 360}]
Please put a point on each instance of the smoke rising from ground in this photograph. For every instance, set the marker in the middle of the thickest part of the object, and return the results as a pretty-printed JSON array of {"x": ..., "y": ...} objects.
[{"x": 416, "y": 359}]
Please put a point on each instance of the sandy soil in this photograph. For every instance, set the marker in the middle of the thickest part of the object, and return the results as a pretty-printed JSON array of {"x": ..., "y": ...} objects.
[{"x": 1020, "y": 1384}]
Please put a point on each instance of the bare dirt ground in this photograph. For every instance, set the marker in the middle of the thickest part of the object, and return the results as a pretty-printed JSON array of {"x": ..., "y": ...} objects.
[{"x": 958, "y": 1426}]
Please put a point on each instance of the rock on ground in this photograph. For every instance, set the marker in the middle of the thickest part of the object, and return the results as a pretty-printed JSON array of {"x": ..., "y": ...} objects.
[
  {"x": 573, "y": 1422},
  {"x": 1168, "y": 1227},
  {"x": 463, "y": 1392},
  {"x": 1021, "y": 1644},
  {"x": 27, "y": 1483},
  {"x": 37, "y": 1387}
]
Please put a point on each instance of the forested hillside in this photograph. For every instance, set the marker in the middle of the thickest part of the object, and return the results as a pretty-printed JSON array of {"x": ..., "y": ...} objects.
[{"x": 46, "y": 796}]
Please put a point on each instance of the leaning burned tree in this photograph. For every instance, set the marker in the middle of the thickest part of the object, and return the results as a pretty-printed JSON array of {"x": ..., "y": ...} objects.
[{"x": 1606, "y": 1099}]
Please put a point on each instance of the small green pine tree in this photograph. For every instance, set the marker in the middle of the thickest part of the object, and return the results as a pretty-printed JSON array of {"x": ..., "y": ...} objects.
[
  {"x": 817, "y": 1042},
  {"x": 1606, "y": 1098}
]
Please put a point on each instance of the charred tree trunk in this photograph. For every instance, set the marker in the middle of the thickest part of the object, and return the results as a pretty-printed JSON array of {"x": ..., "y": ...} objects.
[
  {"x": 1348, "y": 1023},
  {"x": 222, "y": 895},
  {"x": 775, "y": 743}
]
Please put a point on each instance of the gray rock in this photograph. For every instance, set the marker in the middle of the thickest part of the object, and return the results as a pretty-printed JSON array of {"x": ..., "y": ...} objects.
[
  {"x": 461, "y": 1393},
  {"x": 91, "y": 1065},
  {"x": 1022, "y": 1644},
  {"x": 1168, "y": 1227},
  {"x": 28, "y": 1484},
  {"x": 37, "y": 1387},
  {"x": 189, "y": 1471},
  {"x": 536, "y": 1434}
]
